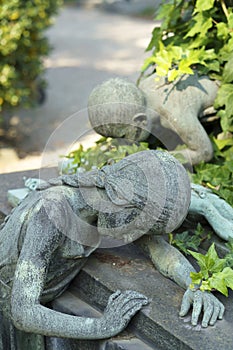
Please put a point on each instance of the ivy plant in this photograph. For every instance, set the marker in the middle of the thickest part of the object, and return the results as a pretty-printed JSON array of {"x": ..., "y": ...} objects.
[
  {"x": 23, "y": 47},
  {"x": 189, "y": 239},
  {"x": 218, "y": 174},
  {"x": 105, "y": 151},
  {"x": 196, "y": 35},
  {"x": 229, "y": 255},
  {"x": 214, "y": 275}
]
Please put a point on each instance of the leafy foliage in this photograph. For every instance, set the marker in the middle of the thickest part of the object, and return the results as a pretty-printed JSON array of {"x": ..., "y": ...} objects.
[
  {"x": 105, "y": 151},
  {"x": 23, "y": 47},
  {"x": 229, "y": 255},
  {"x": 213, "y": 274},
  {"x": 196, "y": 35},
  {"x": 189, "y": 240},
  {"x": 218, "y": 175}
]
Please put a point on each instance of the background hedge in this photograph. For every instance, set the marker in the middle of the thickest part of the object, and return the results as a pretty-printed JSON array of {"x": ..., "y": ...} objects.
[{"x": 23, "y": 45}]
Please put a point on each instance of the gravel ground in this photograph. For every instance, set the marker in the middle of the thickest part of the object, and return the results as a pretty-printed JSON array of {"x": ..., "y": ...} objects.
[{"x": 89, "y": 46}]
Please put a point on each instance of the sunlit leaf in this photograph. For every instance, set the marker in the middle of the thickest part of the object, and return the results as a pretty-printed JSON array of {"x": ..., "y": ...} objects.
[
  {"x": 203, "y": 5},
  {"x": 222, "y": 30},
  {"x": 228, "y": 70},
  {"x": 201, "y": 25},
  {"x": 218, "y": 283},
  {"x": 196, "y": 277}
]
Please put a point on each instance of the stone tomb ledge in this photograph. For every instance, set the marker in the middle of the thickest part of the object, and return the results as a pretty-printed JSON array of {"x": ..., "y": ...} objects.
[
  {"x": 158, "y": 325},
  {"x": 15, "y": 180}
]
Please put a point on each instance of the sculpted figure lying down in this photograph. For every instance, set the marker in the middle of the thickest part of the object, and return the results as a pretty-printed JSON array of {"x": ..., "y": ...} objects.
[
  {"x": 171, "y": 112},
  {"x": 47, "y": 239}
]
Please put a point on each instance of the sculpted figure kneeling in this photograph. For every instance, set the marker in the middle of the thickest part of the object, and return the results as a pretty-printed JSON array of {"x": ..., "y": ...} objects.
[
  {"x": 171, "y": 112},
  {"x": 47, "y": 239}
]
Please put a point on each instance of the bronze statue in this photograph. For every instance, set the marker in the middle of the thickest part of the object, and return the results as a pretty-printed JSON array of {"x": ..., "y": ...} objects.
[
  {"x": 170, "y": 112},
  {"x": 48, "y": 237}
]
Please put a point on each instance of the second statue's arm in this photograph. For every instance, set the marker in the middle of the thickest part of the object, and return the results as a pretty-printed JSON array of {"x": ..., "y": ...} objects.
[
  {"x": 216, "y": 210},
  {"x": 172, "y": 264}
]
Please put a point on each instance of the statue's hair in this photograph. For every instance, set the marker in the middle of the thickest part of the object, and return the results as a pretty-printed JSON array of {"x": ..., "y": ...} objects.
[
  {"x": 152, "y": 181},
  {"x": 115, "y": 101},
  {"x": 116, "y": 90}
]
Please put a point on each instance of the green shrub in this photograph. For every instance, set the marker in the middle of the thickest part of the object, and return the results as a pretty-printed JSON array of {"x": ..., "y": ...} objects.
[
  {"x": 23, "y": 45},
  {"x": 196, "y": 34}
]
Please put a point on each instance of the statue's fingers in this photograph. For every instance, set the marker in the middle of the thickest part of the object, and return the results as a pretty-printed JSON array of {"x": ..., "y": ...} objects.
[
  {"x": 127, "y": 304},
  {"x": 186, "y": 304},
  {"x": 207, "y": 315},
  {"x": 114, "y": 296},
  {"x": 131, "y": 294},
  {"x": 124, "y": 300},
  {"x": 215, "y": 315},
  {"x": 221, "y": 312},
  {"x": 197, "y": 307},
  {"x": 132, "y": 307}
]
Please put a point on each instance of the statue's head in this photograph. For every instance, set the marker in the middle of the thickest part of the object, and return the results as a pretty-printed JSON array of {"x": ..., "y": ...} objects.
[
  {"x": 117, "y": 108},
  {"x": 145, "y": 191},
  {"x": 148, "y": 190}
]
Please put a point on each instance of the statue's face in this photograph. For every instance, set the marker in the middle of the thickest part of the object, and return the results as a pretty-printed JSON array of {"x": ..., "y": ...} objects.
[{"x": 137, "y": 128}]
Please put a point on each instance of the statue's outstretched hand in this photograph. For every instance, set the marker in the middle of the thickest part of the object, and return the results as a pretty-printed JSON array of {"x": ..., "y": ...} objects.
[
  {"x": 212, "y": 308},
  {"x": 216, "y": 210},
  {"x": 121, "y": 307}
]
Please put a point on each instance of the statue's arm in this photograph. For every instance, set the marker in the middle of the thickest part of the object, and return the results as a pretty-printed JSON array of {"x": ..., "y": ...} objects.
[
  {"x": 171, "y": 263},
  {"x": 41, "y": 239},
  {"x": 216, "y": 210},
  {"x": 199, "y": 147},
  {"x": 167, "y": 259}
]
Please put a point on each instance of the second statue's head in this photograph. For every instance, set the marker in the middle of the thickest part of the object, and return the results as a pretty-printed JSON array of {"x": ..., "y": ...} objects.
[{"x": 117, "y": 108}]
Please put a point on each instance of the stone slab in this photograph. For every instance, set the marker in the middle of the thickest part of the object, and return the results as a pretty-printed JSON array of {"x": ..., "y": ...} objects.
[
  {"x": 159, "y": 323},
  {"x": 16, "y": 180},
  {"x": 70, "y": 303}
]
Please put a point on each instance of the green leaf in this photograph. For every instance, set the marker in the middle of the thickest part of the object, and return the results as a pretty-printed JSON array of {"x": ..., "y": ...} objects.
[
  {"x": 221, "y": 144},
  {"x": 196, "y": 277},
  {"x": 211, "y": 257},
  {"x": 225, "y": 92},
  {"x": 213, "y": 274},
  {"x": 218, "y": 283},
  {"x": 188, "y": 239},
  {"x": 222, "y": 30},
  {"x": 201, "y": 260},
  {"x": 202, "y": 24},
  {"x": 155, "y": 39},
  {"x": 184, "y": 66},
  {"x": 102, "y": 152},
  {"x": 214, "y": 66},
  {"x": 225, "y": 121},
  {"x": 204, "y": 5},
  {"x": 227, "y": 274},
  {"x": 221, "y": 280},
  {"x": 229, "y": 164},
  {"x": 230, "y": 20},
  {"x": 205, "y": 286},
  {"x": 218, "y": 265},
  {"x": 172, "y": 74},
  {"x": 147, "y": 62},
  {"x": 165, "y": 11},
  {"x": 228, "y": 71}
]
